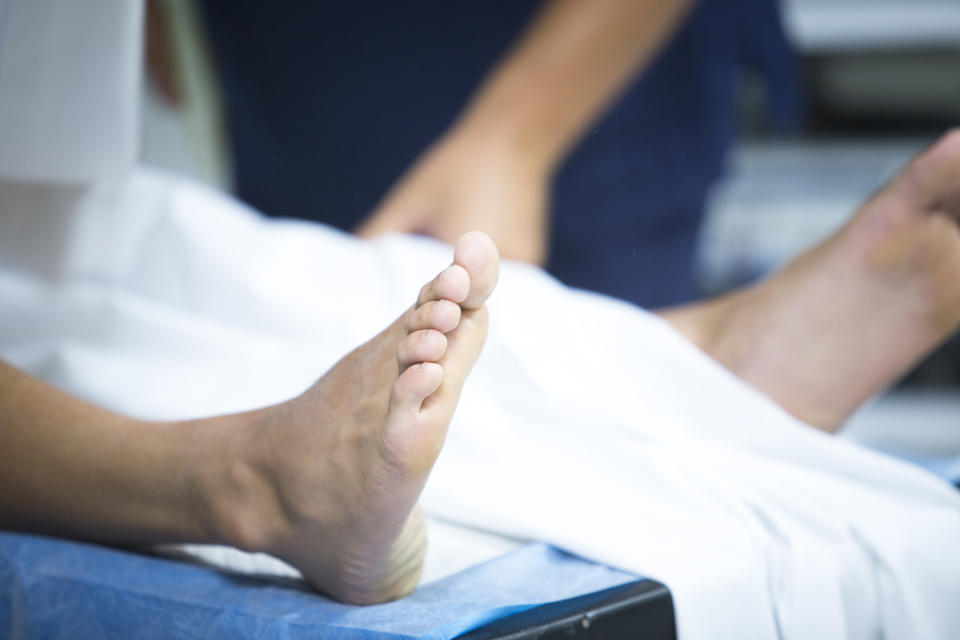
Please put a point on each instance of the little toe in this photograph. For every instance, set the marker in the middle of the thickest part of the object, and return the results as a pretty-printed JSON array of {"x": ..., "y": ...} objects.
[
  {"x": 478, "y": 255},
  {"x": 442, "y": 315},
  {"x": 427, "y": 345}
]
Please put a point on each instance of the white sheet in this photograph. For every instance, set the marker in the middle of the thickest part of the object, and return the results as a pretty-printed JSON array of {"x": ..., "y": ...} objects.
[{"x": 588, "y": 423}]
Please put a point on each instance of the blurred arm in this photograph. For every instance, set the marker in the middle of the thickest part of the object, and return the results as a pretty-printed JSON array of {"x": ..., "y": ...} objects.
[
  {"x": 492, "y": 169},
  {"x": 571, "y": 63}
]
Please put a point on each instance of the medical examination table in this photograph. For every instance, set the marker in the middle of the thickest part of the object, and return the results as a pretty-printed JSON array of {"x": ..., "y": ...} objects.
[{"x": 52, "y": 588}]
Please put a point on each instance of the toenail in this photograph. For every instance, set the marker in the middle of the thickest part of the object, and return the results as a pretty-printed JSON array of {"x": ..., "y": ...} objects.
[
  {"x": 437, "y": 305},
  {"x": 446, "y": 272}
]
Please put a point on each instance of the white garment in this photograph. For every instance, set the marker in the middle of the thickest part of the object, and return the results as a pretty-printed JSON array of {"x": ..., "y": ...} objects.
[
  {"x": 69, "y": 80},
  {"x": 587, "y": 422}
]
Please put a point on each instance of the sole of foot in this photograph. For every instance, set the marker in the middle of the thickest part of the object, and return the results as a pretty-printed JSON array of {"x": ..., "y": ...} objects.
[{"x": 329, "y": 481}]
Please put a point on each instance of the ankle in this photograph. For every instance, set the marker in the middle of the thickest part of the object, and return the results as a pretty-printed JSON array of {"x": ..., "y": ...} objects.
[
  {"x": 240, "y": 506},
  {"x": 714, "y": 325}
]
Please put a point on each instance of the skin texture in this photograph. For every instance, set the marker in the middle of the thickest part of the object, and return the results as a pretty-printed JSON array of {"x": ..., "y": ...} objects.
[{"x": 492, "y": 169}]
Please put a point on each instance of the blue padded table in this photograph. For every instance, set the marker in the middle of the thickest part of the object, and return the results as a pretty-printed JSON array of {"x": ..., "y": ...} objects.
[{"x": 53, "y": 588}]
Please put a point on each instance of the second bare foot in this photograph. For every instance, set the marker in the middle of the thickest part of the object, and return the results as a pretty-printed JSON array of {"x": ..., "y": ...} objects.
[{"x": 848, "y": 317}]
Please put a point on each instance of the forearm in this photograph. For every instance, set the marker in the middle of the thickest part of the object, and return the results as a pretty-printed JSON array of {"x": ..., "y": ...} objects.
[
  {"x": 571, "y": 63},
  {"x": 70, "y": 468}
]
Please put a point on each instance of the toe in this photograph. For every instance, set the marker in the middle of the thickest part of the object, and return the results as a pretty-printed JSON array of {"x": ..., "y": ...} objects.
[
  {"x": 442, "y": 315},
  {"x": 935, "y": 175},
  {"x": 416, "y": 383},
  {"x": 427, "y": 345},
  {"x": 453, "y": 283},
  {"x": 477, "y": 253}
]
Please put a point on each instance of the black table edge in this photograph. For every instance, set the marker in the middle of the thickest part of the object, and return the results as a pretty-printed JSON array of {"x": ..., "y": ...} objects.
[{"x": 636, "y": 610}]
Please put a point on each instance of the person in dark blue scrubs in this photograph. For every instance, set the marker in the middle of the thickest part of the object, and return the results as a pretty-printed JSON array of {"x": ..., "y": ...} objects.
[{"x": 329, "y": 104}]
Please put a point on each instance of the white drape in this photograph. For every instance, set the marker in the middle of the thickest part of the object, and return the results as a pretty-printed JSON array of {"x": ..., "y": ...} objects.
[{"x": 588, "y": 423}]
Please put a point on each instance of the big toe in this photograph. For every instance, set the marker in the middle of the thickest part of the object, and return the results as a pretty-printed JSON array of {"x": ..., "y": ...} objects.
[
  {"x": 935, "y": 175},
  {"x": 478, "y": 255}
]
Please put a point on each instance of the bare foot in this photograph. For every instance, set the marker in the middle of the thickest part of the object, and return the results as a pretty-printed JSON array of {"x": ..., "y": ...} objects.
[
  {"x": 848, "y": 317},
  {"x": 329, "y": 481}
]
